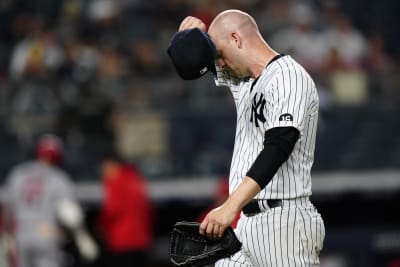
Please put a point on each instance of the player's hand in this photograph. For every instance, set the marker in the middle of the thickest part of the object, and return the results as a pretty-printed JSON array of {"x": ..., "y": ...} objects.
[
  {"x": 217, "y": 220},
  {"x": 192, "y": 22}
]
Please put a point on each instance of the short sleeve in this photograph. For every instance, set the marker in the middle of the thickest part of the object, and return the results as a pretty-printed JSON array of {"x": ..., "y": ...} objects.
[{"x": 287, "y": 100}]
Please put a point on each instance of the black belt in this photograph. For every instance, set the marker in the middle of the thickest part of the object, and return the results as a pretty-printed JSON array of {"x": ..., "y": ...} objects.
[{"x": 253, "y": 207}]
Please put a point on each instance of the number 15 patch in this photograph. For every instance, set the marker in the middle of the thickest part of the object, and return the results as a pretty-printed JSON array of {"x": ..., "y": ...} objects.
[{"x": 286, "y": 117}]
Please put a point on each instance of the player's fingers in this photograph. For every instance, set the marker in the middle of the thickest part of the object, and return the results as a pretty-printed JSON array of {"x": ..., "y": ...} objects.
[
  {"x": 216, "y": 231},
  {"x": 187, "y": 23},
  {"x": 203, "y": 226},
  {"x": 210, "y": 230},
  {"x": 221, "y": 231},
  {"x": 184, "y": 24},
  {"x": 199, "y": 24},
  {"x": 192, "y": 22}
]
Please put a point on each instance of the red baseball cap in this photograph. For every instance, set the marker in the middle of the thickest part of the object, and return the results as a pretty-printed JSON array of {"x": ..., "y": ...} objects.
[{"x": 50, "y": 148}]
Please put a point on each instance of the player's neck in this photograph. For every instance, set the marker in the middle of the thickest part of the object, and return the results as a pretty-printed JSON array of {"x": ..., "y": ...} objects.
[{"x": 261, "y": 56}]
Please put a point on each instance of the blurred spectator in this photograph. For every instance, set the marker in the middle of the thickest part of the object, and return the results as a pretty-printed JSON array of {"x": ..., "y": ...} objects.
[
  {"x": 104, "y": 22},
  {"x": 343, "y": 59},
  {"x": 301, "y": 40},
  {"x": 33, "y": 64},
  {"x": 349, "y": 88},
  {"x": 103, "y": 11},
  {"x": 377, "y": 60},
  {"x": 111, "y": 71},
  {"x": 126, "y": 213},
  {"x": 91, "y": 56},
  {"x": 137, "y": 96},
  {"x": 40, "y": 199},
  {"x": 37, "y": 53},
  {"x": 345, "y": 42},
  {"x": 84, "y": 59},
  {"x": 380, "y": 66},
  {"x": 71, "y": 19},
  {"x": 272, "y": 16},
  {"x": 145, "y": 59}
]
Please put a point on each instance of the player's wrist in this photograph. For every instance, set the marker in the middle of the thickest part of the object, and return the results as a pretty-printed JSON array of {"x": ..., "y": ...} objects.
[
  {"x": 250, "y": 188},
  {"x": 232, "y": 204},
  {"x": 243, "y": 194}
]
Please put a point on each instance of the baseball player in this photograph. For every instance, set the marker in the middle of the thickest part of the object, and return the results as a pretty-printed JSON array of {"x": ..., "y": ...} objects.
[
  {"x": 277, "y": 114},
  {"x": 39, "y": 196}
]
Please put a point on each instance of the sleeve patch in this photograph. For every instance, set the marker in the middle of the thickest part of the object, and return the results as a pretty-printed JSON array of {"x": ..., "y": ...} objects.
[{"x": 286, "y": 117}]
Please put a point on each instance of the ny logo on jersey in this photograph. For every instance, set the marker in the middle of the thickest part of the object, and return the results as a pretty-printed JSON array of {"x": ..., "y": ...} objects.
[{"x": 257, "y": 109}]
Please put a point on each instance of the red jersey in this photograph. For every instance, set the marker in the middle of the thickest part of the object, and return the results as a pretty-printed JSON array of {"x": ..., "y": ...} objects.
[{"x": 126, "y": 212}]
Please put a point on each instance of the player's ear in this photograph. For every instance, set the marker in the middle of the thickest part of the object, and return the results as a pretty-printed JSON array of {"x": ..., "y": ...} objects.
[{"x": 236, "y": 39}]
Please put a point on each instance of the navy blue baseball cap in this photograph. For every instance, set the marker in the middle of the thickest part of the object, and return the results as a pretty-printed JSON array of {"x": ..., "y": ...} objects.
[{"x": 193, "y": 53}]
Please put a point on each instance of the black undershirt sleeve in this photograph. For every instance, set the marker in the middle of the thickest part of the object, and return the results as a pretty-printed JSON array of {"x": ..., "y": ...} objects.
[{"x": 278, "y": 145}]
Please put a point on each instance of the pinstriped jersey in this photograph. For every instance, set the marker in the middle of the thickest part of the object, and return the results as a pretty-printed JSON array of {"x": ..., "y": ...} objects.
[{"x": 284, "y": 95}]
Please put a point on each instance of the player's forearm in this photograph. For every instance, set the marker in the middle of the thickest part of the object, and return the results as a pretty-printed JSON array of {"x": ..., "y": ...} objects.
[
  {"x": 278, "y": 145},
  {"x": 243, "y": 194}
]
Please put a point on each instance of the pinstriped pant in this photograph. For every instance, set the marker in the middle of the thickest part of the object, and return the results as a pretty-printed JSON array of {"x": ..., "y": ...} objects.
[{"x": 287, "y": 236}]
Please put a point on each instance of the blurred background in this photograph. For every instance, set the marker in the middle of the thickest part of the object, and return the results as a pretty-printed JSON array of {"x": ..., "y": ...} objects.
[{"x": 96, "y": 74}]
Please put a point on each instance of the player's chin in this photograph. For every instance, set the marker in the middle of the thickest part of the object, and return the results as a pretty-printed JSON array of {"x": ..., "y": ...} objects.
[
  {"x": 233, "y": 72},
  {"x": 238, "y": 73}
]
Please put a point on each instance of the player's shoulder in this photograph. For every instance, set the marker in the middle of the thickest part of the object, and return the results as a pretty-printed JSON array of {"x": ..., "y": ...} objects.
[
  {"x": 59, "y": 179},
  {"x": 282, "y": 70},
  {"x": 22, "y": 167},
  {"x": 285, "y": 64},
  {"x": 18, "y": 173},
  {"x": 60, "y": 174}
]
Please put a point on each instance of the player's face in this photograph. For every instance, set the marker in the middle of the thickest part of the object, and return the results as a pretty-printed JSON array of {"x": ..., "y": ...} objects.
[{"x": 228, "y": 58}]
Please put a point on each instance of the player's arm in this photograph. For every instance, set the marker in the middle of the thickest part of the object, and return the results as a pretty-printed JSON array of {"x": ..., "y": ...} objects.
[
  {"x": 278, "y": 145},
  {"x": 218, "y": 219}
]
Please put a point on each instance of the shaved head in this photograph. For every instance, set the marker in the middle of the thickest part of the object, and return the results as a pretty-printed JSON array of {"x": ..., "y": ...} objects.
[
  {"x": 239, "y": 44},
  {"x": 233, "y": 21}
]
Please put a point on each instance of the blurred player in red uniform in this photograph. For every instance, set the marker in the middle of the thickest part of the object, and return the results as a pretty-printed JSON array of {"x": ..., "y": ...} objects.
[
  {"x": 40, "y": 197},
  {"x": 126, "y": 215}
]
